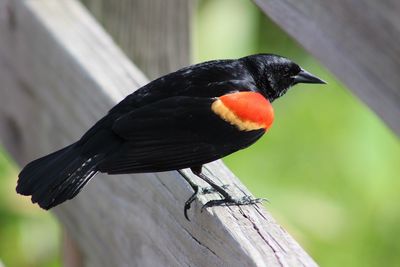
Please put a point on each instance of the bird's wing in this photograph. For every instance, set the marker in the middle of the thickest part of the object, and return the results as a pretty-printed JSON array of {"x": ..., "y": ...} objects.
[{"x": 174, "y": 133}]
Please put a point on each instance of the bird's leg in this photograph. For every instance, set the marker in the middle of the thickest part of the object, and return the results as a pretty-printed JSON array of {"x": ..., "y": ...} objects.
[
  {"x": 228, "y": 200},
  {"x": 207, "y": 190},
  {"x": 200, "y": 191},
  {"x": 194, "y": 186},
  {"x": 197, "y": 171},
  {"x": 192, "y": 197}
]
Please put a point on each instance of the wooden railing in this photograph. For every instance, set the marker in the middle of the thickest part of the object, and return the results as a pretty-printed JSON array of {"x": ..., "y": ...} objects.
[
  {"x": 59, "y": 73},
  {"x": 356, "y": 39}
]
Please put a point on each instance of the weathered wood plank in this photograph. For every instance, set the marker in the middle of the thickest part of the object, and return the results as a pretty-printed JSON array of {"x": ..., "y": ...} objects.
[
  {"x": 357, "y": 40},
  {"x": 59, "y": 73},
  {"x": 153, "y": 33}
]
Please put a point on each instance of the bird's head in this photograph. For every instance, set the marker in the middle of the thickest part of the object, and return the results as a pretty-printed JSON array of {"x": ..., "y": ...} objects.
[{"x": 274, "y": 75}]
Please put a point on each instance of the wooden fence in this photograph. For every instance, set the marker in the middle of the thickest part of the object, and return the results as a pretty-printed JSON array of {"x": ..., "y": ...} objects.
[
  {"x": 356, "y": 39},
  {"x": 59, "y": 73}
]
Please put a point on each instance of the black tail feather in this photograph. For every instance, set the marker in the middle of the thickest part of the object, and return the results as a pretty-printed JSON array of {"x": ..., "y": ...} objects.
[{"x": 57, "y": 177}]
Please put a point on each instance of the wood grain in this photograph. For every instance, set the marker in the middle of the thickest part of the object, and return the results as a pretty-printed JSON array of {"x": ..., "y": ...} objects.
[
  {"x": 358, "y": 40},
  {"x": 155, "y": 34},
  {"x": 59, "y": 73}
]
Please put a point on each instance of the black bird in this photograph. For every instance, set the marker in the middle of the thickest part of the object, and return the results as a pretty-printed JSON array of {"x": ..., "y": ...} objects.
[{"x": 184, "y": 119}]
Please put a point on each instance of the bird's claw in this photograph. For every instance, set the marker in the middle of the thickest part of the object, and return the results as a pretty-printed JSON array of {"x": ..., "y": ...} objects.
[
  {"x": 203, "y": 191},
  {"x": 188, "y": 202},
  {"x": 246, "y": 200},
  {"x": 209, "y": 190}
]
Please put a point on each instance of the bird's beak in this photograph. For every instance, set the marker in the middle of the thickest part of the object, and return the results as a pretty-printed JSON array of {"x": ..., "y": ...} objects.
[{"x": 306, "y": 77}]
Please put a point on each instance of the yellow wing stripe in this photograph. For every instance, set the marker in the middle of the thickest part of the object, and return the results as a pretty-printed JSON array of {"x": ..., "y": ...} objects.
[{"x": 219, "y": 108}]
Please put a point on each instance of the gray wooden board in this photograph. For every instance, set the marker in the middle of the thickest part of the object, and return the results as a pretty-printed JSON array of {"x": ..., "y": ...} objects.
[
  {"x": 358, "y": 40},
  {"x": 59, "y": 73},
  {"x": 155, "y": 34}
]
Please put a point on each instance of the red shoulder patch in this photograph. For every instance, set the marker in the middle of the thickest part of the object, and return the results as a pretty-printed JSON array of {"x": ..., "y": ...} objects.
[{"x": 247, "y": 110}]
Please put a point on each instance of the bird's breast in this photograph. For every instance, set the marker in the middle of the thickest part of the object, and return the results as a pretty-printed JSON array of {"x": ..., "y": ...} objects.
[{"x": 246, "y": 110}]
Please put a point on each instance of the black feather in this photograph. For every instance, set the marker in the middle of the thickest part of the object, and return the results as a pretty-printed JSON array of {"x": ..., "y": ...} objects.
[
  {"x": 170, "y": 134},
  {"x": 57, "y": 177}
]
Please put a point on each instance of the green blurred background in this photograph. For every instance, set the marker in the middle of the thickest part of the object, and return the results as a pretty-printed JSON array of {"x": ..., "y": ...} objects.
[{"x": 329, "y": 166}]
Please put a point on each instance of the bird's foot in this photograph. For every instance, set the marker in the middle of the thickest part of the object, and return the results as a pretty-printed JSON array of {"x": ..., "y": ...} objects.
[
  {"x": 197, "y": 192},
  {"x": 188, "y": 202},
  {"x": 229, "y": 201},
  {"x": 210, "y": 190}
]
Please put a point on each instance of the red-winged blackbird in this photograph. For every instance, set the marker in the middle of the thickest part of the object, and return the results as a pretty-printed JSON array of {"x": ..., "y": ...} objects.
[{"x": 185, "y": 119}]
